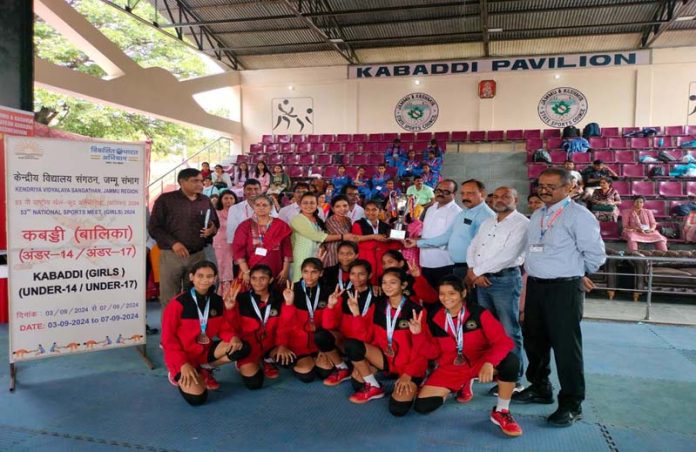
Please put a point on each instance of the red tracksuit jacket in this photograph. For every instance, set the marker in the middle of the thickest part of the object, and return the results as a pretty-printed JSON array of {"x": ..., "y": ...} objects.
[
  {"x": 301, "y": 336},
  {"x": 339, "y": 317},
  {"x": 181, "y": 328},
  {"x": 373, "y": 330},
  {"x": 484, "y": 339}
]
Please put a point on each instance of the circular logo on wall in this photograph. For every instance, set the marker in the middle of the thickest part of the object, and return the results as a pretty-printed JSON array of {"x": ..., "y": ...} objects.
[
  {"x": 416, "y": 112},
  {"x": 562, "y": 107}
]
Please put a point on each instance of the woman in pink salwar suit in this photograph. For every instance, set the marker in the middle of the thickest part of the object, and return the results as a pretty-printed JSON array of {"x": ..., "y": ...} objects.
[{"x": 639, "y": 226}]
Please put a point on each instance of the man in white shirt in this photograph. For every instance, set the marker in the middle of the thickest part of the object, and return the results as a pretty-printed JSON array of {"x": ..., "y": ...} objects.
[
  {"x": 436, "y": 261},
  {"x": 290, "y": 211},
  {"x": 355, "y": 212},
  {"x": 494, "y": 259},
  {"x": 243, "y": 211}
]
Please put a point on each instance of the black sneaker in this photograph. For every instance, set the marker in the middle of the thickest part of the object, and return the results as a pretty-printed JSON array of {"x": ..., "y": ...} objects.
[
  {"x": 534, "y": 394},
  {"x": 494, "y": 390},
  {"x": 565, "y": 416}
]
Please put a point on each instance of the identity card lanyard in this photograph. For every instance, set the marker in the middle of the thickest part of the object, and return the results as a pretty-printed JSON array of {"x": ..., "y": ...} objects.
[
  {"x": 391, "y": 324},
  {"x": 340, "y": 280},
  {"x": 311, "y": 307},
  {"x": 266, "y": 314},
  {"x": 552, "y": 220},
  {"x": 458, "y": 332},
  {"x": 202, "y": 318}
]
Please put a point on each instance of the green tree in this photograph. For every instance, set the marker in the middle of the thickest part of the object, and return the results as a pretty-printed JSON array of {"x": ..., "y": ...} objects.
[{"x": 147, "y": 47}]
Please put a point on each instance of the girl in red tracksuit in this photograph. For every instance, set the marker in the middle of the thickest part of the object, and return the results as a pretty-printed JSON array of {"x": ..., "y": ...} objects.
[
  {"x": 421, "y": 291},
  {"x": 308, "y": 310},
  {"x": 467, "y": 342},
  {"x": 196, "y": 336},
  {"x": 263, "y": 322},
  {"x": 335, "y": 327},
  {"x": 384, "y": 341}
]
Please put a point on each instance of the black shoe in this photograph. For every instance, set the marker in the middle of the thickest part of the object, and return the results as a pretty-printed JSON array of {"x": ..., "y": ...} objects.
[
  {"x": 565, "y": 416},
  {"x": 493, "y": 392},
  {"x": 150, "y": 331},
  {"x": 534, "y": 394}
]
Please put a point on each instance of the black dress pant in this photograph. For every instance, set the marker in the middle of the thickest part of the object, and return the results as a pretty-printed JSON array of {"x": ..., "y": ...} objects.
[
  {"x": 552, "y": 314},
  {"x": 434, "y": 274}
]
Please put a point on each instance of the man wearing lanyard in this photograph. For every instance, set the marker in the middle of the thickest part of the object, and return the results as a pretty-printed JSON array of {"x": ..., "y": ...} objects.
[
  {"x": 181, "y": 223},
  {"x": 243, "y": 211},
  {"x": 563, "y": 246},
  {"x": 290, "y": 211},
  {"x": 494, "y": 258},
  {"x": 461, "y": 232}
]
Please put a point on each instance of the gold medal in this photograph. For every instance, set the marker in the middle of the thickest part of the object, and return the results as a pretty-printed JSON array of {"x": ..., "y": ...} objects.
[
  {"x": 390, "y": 351},
  {"x": 203, "y": 339},
  {"x": 459, "y": 360}
]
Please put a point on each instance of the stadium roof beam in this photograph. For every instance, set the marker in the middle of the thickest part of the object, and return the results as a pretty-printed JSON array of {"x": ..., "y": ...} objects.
[
  {"x": 485, "y": 37},
  {"x": 667, "y": 14}
]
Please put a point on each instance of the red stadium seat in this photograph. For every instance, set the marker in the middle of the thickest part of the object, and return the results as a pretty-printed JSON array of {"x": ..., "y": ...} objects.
[
  {"x": 623, "y": 188},
  {"x": 665, "y": 170},
  {"x": 671, "y": 189},
  {"x": 420, "y": 146},
  {"x": 256, "y": 149},
  {"x": 674, "y": 131},
  {"x": 275, "y": 159},
  {"x": 626, "y": 130},
  {"x": 656, "y": 206},
  {"x": 532, "y": 133},
  {"x": 535, "y": 169},
  {"x": 514, "y": 135},
  {"x": 343, "y": 138},
  {"x": 304, "y": 148},
  {"x": 558, "y": 157},
  {"x": 407, "y": 137},
  {"x": 642, "y": 188},
  {"x": 283, "y": 138},
  {"x": 477, "y": 136},
  {"x": 641, "y": 143},
  {"x": 267, "y": 139},
  {"x": 495, "y": 135},
  {"x": 242, "y": 158},
  {"x": 295, "y": 171},
  {"x": 691, "y": 130},
  {"x": 691, "y": 188},
  {"x": 552, "y": 142},
  {"x": 370, "y": 171},
  {"x": 582, "y": 157},
  {"x": 317, "y": 148},
  {"x": 290, "y": 159},
  {"x": 359, "y": 137},
  {"x": 359, "y": 159},
  {"x": 287, "y": 148},
  {"x": 673, "y": 204},
  {"x": 329, "y": 171},
  {"x": 298, "y": 139},
  {"x": 326, "y": 138},
  {"x": 272, "y": 148},
  {"x": 443, "y": 137},
  {"x": 634, "y": 170},
  {"x": 459, "y": 137},
  {"x": 307, "y": 159},
  {"x": 323, "y": 159},
  {"x": 678, "y": 154},
  {"x": 375, "y": 159},
  {"x": 681, "y": 140},
  {"x": 352, "y": 148},
  {"x": 598, "y": 143},
  {"x": 371, "y": 147},
  {"x": 389, "y": 137},
  {"x": 376, "y": 137},
  {"x": 313, "y": 138},
  {"x": 609, "y": 230},
  {"x": 424, "y": 136},
  {"x": 616, "y": 143},
  {"x": 551, "y": 133},
  {"x": 609, "y": 132},
  {"x": 625, "y": 157},
  {"x": 533, "y": 145},
  {"x": 334, "y": 148},
  {"x": 605, "y": 156}
]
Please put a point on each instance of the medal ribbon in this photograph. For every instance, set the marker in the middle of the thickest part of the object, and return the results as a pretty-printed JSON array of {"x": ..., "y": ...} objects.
[
  {"x": 391, "y": 321},
  {"x": 311, "y": 307},
  {"x": 367, "y": 302},
  {"x": 458, "y": 331},
  {"x": 255, "y": 305},
  {"x": 340, "y": 280},
  {"x": 202, "y": 316}
]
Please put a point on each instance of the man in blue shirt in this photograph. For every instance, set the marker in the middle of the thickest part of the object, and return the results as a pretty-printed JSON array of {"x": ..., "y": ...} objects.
[
  {"x": 563, "y": 246},
  {"x": 462, "y": 230}
]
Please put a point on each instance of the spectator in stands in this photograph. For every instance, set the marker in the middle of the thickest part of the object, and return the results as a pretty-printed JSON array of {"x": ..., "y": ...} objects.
[
  {"x": 340, "y": 180},
  {"x": 422, "y": 194},
  {"x": 324, "y": 206},
  {"x": 355, "y": 212},
  {"x": 689, "y": 232},
  {"x": 317, "y": 185},
  {"x": 605, "y": 201},
  {"x": 534, "y": 203},
  {"x": 410, "y": 167},
  {"x": 395, "y": 153},
  {"x": 379, "y": 180},
  {"x": 362, "y": 183},
  {"x": 494, "y": 259},
  {"x": 309, "y": 232},
  {"x": 434, "y": 161},
  {"x": 430, "y": 178},
  {"x": 563, "y": 245},
  {"x": 578, "y": 193},
  {"x": 208, "y": 188},
  {"x": 574, "y": 143},
  {"x": 262, "y": 239},
  {"x": 240, "y": 176},
  {"x": 280, "y": 182},
  {"x": 338, "y": 222},
  {"x": 639, "y": 226},
  {"x": 372, "y": 236},
  {"x": 433, "y": 148},
  {"x": 437, "y": 232},
  {"x": 220, "y": 178},
  {"x": 382, "y": 194},
  {"x": 330, "y": 191},
  {"x": 243, "y": 210},
  {"x": 569, "y": 166},
  {"x": 223, "y": 251},
  {"x": 262, "y": 175},
  {"x": 592, "y": 174},
  {"x": 178, "y": 226},
  {"x": 205, "y": 169},
  {"x": 288, "y": 212}
]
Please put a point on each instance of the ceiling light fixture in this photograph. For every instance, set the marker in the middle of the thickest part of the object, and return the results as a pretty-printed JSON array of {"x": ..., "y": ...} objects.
[
  {"x": 684, "y": 18},
  {"x": 417, "y": 82},
  {"x": 495, "y": 30}
]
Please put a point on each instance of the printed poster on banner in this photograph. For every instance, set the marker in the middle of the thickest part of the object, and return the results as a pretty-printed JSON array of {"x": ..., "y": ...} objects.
[
  {"x": 76, "y": 244},
  {"x": 416, "y": 112}
]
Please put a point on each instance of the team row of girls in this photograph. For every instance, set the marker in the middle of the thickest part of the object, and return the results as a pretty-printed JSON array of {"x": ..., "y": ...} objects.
[{"x": 348, "y": 333}]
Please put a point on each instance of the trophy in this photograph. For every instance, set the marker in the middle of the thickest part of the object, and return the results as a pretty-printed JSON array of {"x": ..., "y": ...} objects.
[{"x": 398, "y": 206}]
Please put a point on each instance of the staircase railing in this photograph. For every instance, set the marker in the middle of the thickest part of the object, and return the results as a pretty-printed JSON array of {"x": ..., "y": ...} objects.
[{"x": 213, "y": 153}]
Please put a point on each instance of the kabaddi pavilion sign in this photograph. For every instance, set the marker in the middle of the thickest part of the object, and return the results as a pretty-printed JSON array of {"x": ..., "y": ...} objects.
[{"x": 515, "y": 64}]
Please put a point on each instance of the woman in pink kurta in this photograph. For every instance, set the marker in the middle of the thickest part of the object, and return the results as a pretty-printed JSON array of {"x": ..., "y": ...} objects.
[
  {"x": 223, "y": 252},
  {"x": 690, "y": 227},
  {"x": 639, "y": 226}
]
